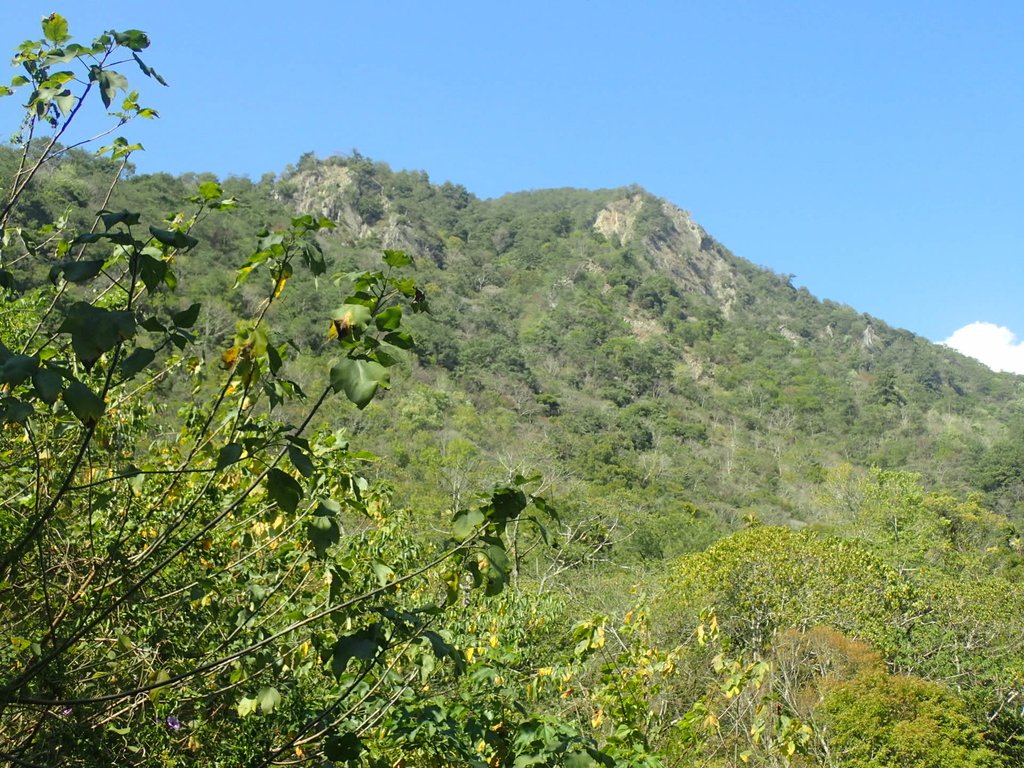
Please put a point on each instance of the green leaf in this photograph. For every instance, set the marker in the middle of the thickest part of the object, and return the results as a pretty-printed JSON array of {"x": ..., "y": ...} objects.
[
  {"x": 228, "y": 455},
  {"x": 55, "y": 28},
  {"x": 284, "y": 490},
  {"x": 133, "y": 39},
  {"x": 17, "y": 412},
  {"x": 343, "y": 748},
  {"x": 390, "y": 319},
  {"x": 506, "y": 504},
  {"x": 349, "y": 316},
  {"x": 362, "y": 645},
  {"x": 47, "y": 384},
  {"x": 274, "y": 359},
  {"x": 173, "y": 239},
  {"x": 152, "y": 324},
  {"x": 210, "y": 190},
  {"x": 268, "y": 699},
  {"x": 126, "y": 217},
  {"x": 110, "y": 83},
  {"x": 466, "y": 523},
  {"x": 95, "y": 330},
  {"x": 136, "y": 361},
  {"x": 579, "y": 760},
  {"x": 323, "y": 532},
  {"x": 246, "y": 706},
  {"x": 187, "y": 317},
  {"x": 359, "y": 379},
  {"x": 17, "y": 369},
  {"x": 328, "y": 508},
  {"x": 84, "y": 403},
  {"x": 300, "y": 460},
  {"x": 397, "y": 259},
  {"x": 76, "y": 271},
  {"x": 153, "y": 272},
  {"x": 65, "y": 101},
  {"x": 497, "y": 570},
  {"x": 385, "y": 574},
  {"x": 400, "y": 339}
]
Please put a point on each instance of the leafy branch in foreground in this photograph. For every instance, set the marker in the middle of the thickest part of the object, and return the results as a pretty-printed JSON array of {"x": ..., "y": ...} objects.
[{"x": 191, "y": 568}]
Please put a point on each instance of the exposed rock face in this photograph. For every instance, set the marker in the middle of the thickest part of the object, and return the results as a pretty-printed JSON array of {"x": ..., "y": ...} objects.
[
  {"x": 617, "y": 219},
  {"x": 675, "y": 249},
  {"x": 869, "y": 338},
  {"x": 322, "y": 192}
]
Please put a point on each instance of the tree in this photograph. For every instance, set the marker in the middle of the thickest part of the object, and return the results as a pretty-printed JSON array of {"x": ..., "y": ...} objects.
[{"x": 190, "y": 569}]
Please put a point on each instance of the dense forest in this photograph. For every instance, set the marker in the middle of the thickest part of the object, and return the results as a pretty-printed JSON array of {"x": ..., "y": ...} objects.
[{"x": 344, "y": 467}]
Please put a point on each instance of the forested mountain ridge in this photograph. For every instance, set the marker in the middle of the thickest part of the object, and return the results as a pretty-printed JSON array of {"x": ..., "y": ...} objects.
[{"x": 605, "y": 337}]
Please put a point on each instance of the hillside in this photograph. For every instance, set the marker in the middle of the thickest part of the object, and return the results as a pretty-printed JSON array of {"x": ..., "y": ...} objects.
[
  {"x": 666, "y": 388},
  {"x": 606, "y": 340}
]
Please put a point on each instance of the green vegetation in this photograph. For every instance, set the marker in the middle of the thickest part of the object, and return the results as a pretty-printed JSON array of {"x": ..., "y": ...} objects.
[{"x": 346, "y": 468}]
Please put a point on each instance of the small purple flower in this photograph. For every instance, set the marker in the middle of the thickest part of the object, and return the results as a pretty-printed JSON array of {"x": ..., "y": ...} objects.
[
  {"x": 173, "y": 723},
  {"x": 66, "y": 711}
]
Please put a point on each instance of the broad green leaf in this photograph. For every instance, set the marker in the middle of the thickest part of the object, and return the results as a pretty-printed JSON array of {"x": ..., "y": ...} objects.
[
  {"x": 65, "y": 101},
  {"x": 397, "y": 259},
  {"x": 350, "y": 316},
  {"x": 228, "y": 455},
  {"x": 47, "y": 384},
  {"x": 247, "y": 706},
  {"x": 268, "y": 699},
  {"x": 95, "y": 330},
  {"x": 359, "y": 379},
  {"x": 126, "y": 217},
  {"x": 153, "y": 272},
  {"x": 147, "y": 70},
  {"x": 187, "y": 317},
  {"x": 17, "y": 369},
  {"x": 17, "y": 412},
  {"x": 400, "y": 339},
  {"x": 466, "y": 523},
  {"x": 55, "y": 28},
  {"x": 152, "y": 324},
  {"x": 76, "y": 271},
  {"x": 136, "y": 361},
  {"x": 328, "y": 508},
  {"x": 300, "y": 460},
  {"x": 133, "y": 39},
  {"x": 84, "y": 403},
  {"x": 322, "y": 532},
  {"x": 390, "y": 319},
  {"x": 110, "y": 83},
  {"x": 344, "y": 748},
  {"x": 362, "y": 645},
  {"x": 506, "y": 504},
  {"x": 385, "y": 574},
  {"x": 210, "y": 190},
  {"x": 284, "y": 489},
  {"x": 579, "y": 760},
  {"x": 174, "y": 238}
]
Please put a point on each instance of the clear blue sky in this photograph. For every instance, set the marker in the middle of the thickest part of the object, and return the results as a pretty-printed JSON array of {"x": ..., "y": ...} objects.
[{"x": 873, "y": 149}]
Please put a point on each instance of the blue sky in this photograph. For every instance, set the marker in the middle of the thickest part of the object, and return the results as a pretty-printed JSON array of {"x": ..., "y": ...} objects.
[{"x": 872, "y": 149}]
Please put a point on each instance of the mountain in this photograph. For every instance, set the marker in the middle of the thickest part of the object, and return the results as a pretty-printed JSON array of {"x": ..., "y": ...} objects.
[{"x": 665, "y": 388}]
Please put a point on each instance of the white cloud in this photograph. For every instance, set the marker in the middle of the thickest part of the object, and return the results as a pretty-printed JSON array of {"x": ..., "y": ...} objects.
[{"x": 996, "y": 346}]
